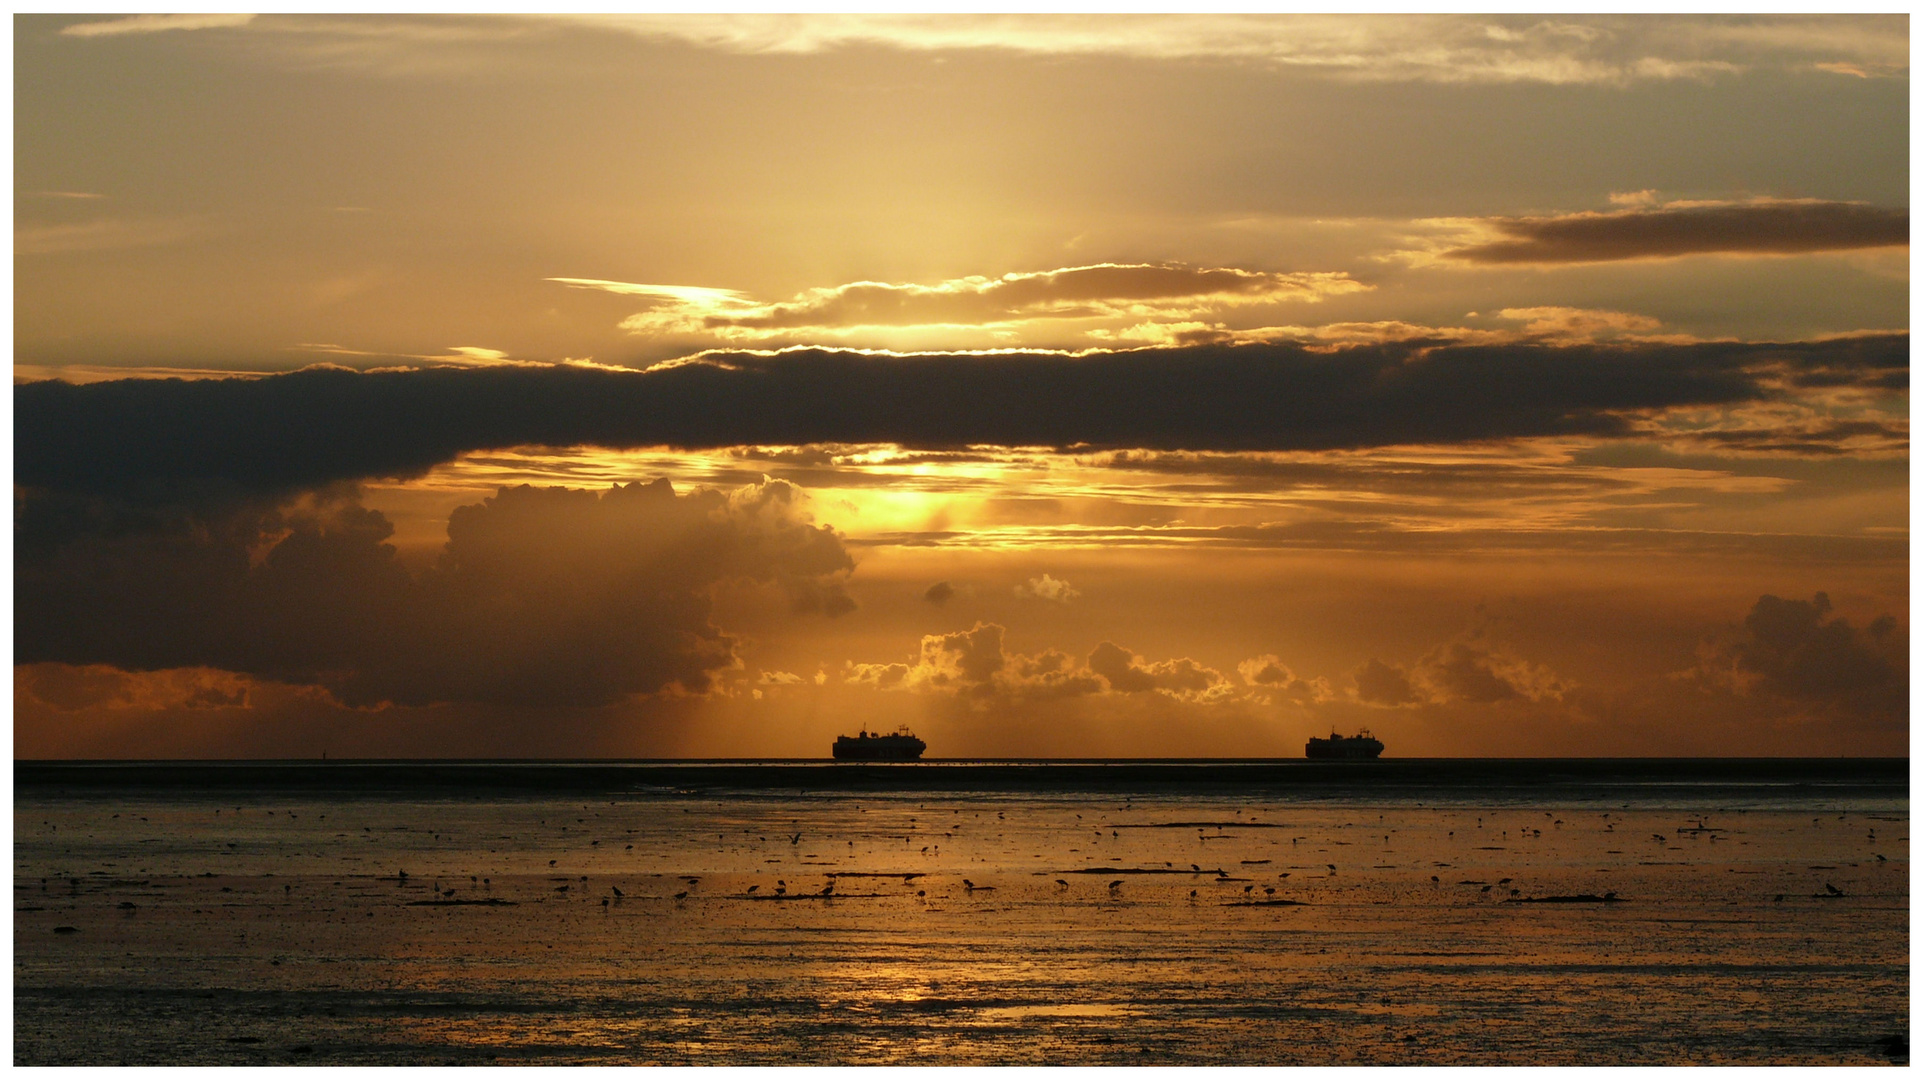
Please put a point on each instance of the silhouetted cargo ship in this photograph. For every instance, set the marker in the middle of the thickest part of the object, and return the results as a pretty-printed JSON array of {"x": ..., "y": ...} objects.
[
  {"x": 901, "y": 746},
  {"x": 1358, "y": 747}
]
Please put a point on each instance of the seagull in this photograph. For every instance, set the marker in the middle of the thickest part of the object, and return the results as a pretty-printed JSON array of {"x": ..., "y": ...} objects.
[
  {"x": 1113, "y": 885},
  {"x": 1270, "y": 890},
  {"x": 752, "y": 888},
  {"x": 682, "y": 895},
  {"x": 967, "y": 884},
  {"x": 1062, "y": 883},
  {"x": 828, "y": 889},
  {"x": 617, "y": 890},
  {"x": 1250, "y": 888},
  {"x": 1834, "y": 891}
]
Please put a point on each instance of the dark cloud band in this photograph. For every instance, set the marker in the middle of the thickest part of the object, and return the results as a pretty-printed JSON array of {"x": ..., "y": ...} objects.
[
  {"x": 322, "y": 425},
  {"x": 1768, "y": 228}
]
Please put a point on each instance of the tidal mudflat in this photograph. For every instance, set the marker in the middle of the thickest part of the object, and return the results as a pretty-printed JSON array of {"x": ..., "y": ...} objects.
[{"x": 1287, "y": 914}]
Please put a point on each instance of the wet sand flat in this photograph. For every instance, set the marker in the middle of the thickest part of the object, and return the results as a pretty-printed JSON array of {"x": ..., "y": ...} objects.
[{"x": 1431, "y": 926}]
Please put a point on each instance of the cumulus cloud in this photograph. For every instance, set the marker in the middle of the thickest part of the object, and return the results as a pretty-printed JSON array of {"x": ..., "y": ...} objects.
[
  {"x": 1105, "y": 291},
  {"x": 541, "y": 596},
  {"x": 1470, "y": 669},
  {"x": 1380, "y": 683},
  {"x": 1182, "y": 678},
  {"x": 974, "y": 664},
  {"x": 1793, "y": 652},
  {"x": 1760, "y": 227},
  {"x": 320, "y": 425},
  {"x": 72, "y": 688},
  {"x": 1047, "y": 588},
  {"x": 1269, "y": 673}
]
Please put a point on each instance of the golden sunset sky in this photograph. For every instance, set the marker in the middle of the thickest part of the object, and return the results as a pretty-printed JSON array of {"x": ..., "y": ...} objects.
[{"x": 1059, "y": 386}]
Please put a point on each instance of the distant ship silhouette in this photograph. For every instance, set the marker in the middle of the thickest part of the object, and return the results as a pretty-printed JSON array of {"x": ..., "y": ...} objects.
[
  {"x": 900, "y": 746},
  {"x": 1361, "y": 746}
]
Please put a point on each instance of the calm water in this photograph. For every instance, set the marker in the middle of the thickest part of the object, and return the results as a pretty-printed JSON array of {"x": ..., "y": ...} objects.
[{"x": 980, "y": 914}]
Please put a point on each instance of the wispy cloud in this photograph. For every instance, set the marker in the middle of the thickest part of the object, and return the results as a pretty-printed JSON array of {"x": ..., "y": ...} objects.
[
  {"x": 1648, "y": 230},
  {"x": 154, "y": 24},
  {"x": 1438, "y": 48},
  {"x": 1103, "y": 291},
  {"x": 102, "y": 235},
  {"x": 1563, "y": 50}
]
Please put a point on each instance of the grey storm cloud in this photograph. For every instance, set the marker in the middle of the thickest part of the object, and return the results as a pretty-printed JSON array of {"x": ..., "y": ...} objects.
[
  {"x": 1795, "y": 651},
  {"x": 1759, "y": 228},
  {"x": 287, "y": 432},
  {"x": 541, "y": 596}
]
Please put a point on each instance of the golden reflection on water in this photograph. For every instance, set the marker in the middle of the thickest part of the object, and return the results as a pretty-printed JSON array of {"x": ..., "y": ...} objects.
[{"x": 987, "y": 946}]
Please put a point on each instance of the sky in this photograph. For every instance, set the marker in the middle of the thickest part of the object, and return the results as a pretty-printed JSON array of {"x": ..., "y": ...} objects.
[{"x": 1057, "y": 386}]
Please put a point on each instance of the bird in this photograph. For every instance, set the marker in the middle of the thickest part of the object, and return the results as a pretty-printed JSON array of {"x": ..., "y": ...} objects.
[
  {"x": 563, "y": 888},
  {"x": 1062, "y": 883},
  {"x": 1250, "y": 888},
  {"x": 617, "y": 890},
  {"x": 1331, "y": 867},
  {"x": 1197, "y": 867},
  {"x": 1191, "y": 894},
  {"x": 682, "y": 895},
  {"x": 1269, "y": 890},
  {"x": 828, "y": 889},
  {"x": 752, "y": 888},
  {"x": 781, "y": 890},
  {"x": 1880, "y": 858},
  {"x": 795, "y": 839},
  {"x": 604, "y": 901},
  {"x": 967, "y": 884},
  {"x": 1113, "y": 885},
  {"x": 921, "y": 892},
  {"x": 1505, "y": 881},
  {"x": 1435, "y": 879},
  {"x": 1660, "y": 838},
  {"x": 1834, "y": 891}
]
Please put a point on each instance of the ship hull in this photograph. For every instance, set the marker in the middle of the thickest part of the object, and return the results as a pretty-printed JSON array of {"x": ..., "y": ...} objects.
[
  {"x": 1343, "y": 749},
  {"x": 884, "y": 748}
]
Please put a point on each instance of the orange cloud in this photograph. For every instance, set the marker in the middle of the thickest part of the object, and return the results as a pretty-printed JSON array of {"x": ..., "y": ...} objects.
[{"x": 1076, "y": 293}]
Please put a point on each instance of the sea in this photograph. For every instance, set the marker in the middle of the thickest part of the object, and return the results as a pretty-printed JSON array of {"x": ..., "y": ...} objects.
[{"x": 1170, "y": 913}]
